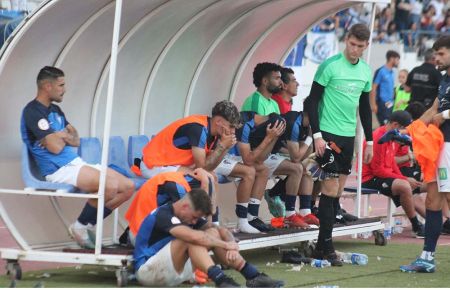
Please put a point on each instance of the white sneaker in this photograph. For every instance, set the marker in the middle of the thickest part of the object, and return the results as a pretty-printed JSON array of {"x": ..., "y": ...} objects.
[
  {"x": 81, "y": 236},
  {"x": 245, "y": 227},
  {"x": 91, "y": 233}
]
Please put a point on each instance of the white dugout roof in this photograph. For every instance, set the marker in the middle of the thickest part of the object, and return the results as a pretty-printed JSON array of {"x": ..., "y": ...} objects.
[{"x": 176, "y": 58}]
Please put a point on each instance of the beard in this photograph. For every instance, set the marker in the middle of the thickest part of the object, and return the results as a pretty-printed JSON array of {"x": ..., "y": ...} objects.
[
  {"x": 443, "y": 67},
  {"x": 273, "y": 89}
]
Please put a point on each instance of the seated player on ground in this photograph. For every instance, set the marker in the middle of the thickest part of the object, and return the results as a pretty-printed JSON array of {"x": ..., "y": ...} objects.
[
  {"x": 176, "y": 238},
  {"x": 161, "y": 189}
]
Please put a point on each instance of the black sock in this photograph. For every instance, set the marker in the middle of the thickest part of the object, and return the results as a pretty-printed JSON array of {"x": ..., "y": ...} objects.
[
  {"x": 279, "y": 188},
  {"x": 415, "y": 223},
  {"x": 249, "y": 271},
  {"x": 241, "y": 211},
  {"x": 290, "y": 202},
  {"x": 327, "y": 217},
  {"x": 433, "y": 226},
  {"x": 305, "y": 201},
  {"x": 336, "y": 205},
  {"x": 106, "y": 213},
  {"x": 88, "y": 214},
  {"x": 215, "y": 273}
]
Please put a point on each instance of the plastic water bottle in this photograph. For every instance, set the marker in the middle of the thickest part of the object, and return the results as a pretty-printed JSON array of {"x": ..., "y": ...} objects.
[
  {"x": 387, "y": 231},
  {"x": 355, "y": 258},
  {"x": 398, "y": 228},
  {"x": 320, "y": 263}
]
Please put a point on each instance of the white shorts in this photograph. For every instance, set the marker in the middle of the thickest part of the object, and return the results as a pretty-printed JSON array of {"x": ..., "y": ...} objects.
[
  {"x": 159, "y": 270},
  {"x": 149, "y": 173},
  {"x": 273, "y": 161},
  {"x": 227, "y": 165},
  {"x": 69, "y": 172},
  {"x": 442, "y": 174}
]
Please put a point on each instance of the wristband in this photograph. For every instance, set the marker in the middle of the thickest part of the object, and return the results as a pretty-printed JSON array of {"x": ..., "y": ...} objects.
[
  {"x": 369, "y": 143},
  {"x": 446, "y": 114},
  {"x": 317, "y": 135},
  {"x": 308, "y": 141}
]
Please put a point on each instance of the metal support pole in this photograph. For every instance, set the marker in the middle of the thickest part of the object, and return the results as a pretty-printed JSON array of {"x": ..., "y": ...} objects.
[
  {"x": 107, "y": 127},
  {"x": 360, "y": 129}
]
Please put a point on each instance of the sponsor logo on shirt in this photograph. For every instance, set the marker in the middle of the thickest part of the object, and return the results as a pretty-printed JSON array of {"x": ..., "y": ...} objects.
[{"x": 442, "y": 173}]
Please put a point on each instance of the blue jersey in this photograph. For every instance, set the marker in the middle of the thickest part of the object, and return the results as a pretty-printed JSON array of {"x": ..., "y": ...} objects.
[
  {"x": 154, "y": 233},
  {"x": 37, "y": 122},
  {"x": 384, "y": 78},
  {"x": 444, "y": 104}
]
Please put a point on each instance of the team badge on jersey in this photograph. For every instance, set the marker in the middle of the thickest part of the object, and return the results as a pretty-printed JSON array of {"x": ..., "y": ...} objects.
[
  {"x": 174, "y": 220},
  {"x": 43, "y": 124}
]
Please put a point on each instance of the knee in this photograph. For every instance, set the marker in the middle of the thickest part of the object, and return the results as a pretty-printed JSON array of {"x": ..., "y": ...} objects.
[
  {"x": 249, "y": 173},
  {"x": 403, "y": 188},
  {"x": 262, "y": 171},
  {"x": 129, "y": 188},
  {"x": 112, "y": 186},
  {"x": 213, "y": 232},
  {"x": 296, "y": 170}
]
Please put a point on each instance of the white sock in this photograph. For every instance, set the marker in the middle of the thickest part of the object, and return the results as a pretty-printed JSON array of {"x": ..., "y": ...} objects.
[
  {"x": 254, "y": 201},
  {"x": 304, "y": 211},
  {"x": 79, "y": 225},
  {"x": 429, "y": 256},
  {"x": 290, "y": 212}
]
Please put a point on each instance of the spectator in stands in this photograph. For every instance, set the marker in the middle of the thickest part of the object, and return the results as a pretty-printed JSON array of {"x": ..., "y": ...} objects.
[
  {"x": 427, "y": 22},
  {"x": 254, "y": 176},
  {"x": 188, "y": 142},
  {"x": 335, "y": 123},
  {"x": 384, "y": 19},
  {"x": 289, "y": 87},
  {"x": 175, "y": 238},
  {"x": 445, "y": 27},
  {"x": 416, "y": 12},
  {"x": 382, "y": 94},
  {"x": 401, "y": 15},
  {"x": 411, "y": 38},
  {"x": 423, "y": 81},
  {"x": 384, "y": 175},
  {"x": 267, "y": 80},
  {"x": 401, "y": 97},
  {"x": 50, "y": 138},
  {"x": 439, "y": 10}
]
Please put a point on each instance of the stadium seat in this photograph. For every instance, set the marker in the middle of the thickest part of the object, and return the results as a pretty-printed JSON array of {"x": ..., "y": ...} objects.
[
  {"x": 135, "y": 145},
  {"x": 117, "y": 159},
  {"x": 90, "y": 150},
  {"x": 368, "y": 192},
  {"x": 34, "y": 180}
]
